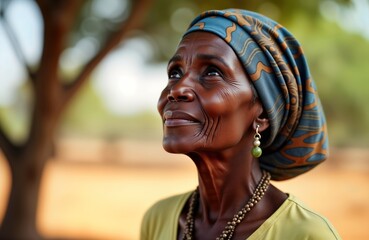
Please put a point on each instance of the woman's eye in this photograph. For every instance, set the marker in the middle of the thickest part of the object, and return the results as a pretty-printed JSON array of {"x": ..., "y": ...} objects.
[
  {"x": 212, "y": 72},
  {"x": 174, "y": 74}
]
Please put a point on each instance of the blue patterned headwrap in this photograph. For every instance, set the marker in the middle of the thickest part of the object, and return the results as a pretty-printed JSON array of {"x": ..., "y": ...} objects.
[{"x": 275, "y": 63}]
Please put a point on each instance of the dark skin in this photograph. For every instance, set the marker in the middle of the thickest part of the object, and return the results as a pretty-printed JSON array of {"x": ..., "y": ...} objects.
[{"x": 210, "y": 113}]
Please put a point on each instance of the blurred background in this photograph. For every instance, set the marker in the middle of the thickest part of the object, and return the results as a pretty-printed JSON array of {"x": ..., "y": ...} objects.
[{"x": 78, "y": 111}]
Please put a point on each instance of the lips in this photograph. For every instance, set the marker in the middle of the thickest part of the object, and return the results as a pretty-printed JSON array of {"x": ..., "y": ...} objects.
[{"x": 177, "y": 118}]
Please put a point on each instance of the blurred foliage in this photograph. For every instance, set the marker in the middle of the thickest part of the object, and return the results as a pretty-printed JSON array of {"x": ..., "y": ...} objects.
[
  {"x": 88, "y": 117},
  {"x": 340, "y": 65},
  {"x": 15, "y": 118}
]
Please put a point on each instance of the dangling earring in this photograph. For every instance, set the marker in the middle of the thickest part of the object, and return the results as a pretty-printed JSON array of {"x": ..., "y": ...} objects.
[{"x": 256, "y": 150}]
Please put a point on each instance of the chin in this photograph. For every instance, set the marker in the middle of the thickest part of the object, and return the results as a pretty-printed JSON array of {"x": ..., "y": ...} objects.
[{"x": 177, "y": 146}]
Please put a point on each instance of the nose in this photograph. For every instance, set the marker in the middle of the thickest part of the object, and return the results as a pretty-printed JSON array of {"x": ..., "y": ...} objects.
[{"x": 180, "y": 94}]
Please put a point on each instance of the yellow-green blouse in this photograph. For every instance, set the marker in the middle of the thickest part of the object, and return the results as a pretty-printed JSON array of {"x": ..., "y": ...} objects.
[{"x": 292, "y": 220}]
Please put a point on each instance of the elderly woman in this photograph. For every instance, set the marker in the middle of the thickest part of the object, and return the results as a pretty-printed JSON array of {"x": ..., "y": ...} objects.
[{"x": 240, "y": 102}]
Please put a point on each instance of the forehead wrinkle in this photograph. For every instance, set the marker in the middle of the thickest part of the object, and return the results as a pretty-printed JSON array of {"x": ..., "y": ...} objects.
[
  {"x": 211, "y": 57},
  {"x": 175, "y": 58},
  {"x": 178, "y": 58}
]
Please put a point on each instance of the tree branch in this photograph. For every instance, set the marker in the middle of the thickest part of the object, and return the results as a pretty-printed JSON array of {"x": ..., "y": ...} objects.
[
  {"x": 139, "y": 10},
  {"x": 6, "y": 145},
  {"x": 58, "y": 17},
  {"x": 41, "y": 5},
  {"x": 17, "y": 48}
]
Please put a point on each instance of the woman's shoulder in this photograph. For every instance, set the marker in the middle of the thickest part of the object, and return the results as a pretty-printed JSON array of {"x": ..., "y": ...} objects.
[
  {"x": 295, "y": 220},
  {"x": 297, "y": 210}
]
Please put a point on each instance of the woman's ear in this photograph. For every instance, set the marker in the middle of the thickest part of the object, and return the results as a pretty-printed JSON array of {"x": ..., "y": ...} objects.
[{"x": 262, "y": 120}]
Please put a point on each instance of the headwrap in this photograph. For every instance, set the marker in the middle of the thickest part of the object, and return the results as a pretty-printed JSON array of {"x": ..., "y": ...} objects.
[{"x": 275, "y": 63}]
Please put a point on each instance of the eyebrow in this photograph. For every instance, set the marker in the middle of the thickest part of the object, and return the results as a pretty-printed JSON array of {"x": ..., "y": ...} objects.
[
  {"x": 212, "y": 57},
  {"x": 177, "y": 58}
]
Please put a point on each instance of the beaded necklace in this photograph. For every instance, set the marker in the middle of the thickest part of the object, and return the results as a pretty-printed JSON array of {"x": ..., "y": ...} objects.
[{"x": 229, "y": 229}]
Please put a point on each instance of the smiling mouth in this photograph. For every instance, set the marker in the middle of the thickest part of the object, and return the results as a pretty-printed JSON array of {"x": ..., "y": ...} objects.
[{"x": 174, "y": 119}]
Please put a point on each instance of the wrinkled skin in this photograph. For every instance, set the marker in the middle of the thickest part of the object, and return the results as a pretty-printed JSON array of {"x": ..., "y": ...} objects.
[{"x": 210, "y": 113}]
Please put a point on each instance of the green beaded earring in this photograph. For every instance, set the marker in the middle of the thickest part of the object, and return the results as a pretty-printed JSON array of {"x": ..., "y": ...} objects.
[{"x": 256, "y": 150}]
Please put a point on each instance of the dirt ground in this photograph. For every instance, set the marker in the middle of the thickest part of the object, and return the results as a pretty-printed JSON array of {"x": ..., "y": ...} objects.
[{"x": 84, "y": 197}]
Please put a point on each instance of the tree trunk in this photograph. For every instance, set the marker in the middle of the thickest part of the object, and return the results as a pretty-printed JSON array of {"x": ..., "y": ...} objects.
[
  {"x": 20, "y": 218},
  {"x": 26, "y": 166}
]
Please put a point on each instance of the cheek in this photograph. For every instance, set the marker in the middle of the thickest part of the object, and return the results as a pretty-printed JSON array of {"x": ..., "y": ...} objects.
[
  {"x": 234, "y": 111},
  {"x": 226, "y": 102},
  {"x": 162, "y": 101},
  {"x": 233, "y": 124}
]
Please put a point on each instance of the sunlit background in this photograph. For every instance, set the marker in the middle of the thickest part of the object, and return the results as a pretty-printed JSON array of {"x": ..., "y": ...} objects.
[{"x": 109, "y": 166}]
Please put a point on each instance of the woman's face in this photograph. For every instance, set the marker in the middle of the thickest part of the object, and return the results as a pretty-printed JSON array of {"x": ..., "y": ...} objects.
[{"x": 208, "y": 103}]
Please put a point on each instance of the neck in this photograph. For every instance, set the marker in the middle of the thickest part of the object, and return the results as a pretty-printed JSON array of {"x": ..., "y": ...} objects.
[{"x": 226, "y": 182}]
